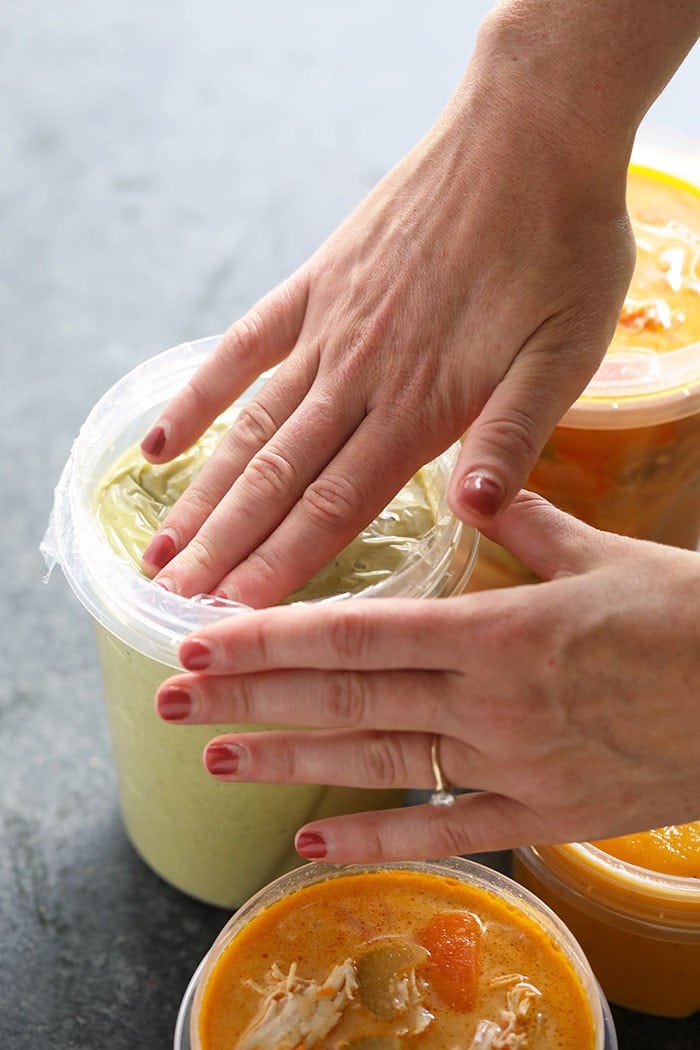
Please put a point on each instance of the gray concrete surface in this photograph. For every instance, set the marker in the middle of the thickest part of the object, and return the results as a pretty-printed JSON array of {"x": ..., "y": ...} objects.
[{"x": 161, "y": 165}]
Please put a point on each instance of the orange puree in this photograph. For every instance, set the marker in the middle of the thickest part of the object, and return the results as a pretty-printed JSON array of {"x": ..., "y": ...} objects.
[
  {"x": 674, "y": 850},
  {"x": 638, "y": 922},
  {"x": 392, "y": 959}
]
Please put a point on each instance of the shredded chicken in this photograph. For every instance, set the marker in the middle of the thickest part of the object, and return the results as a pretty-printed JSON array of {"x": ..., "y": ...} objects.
[
  {"x": 408, "y": 999},
  {"x": 296, "y": 1012},
  {"x": 510, "y": 1033},
  {"x": 646, "y": 315}
]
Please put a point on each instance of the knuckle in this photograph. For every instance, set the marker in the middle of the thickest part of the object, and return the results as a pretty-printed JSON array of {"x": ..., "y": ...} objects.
[
  {"x": 349, "y": 636},
  {"x": 384, "y": 762},
  {"x": 344, "y": 697},
  {"x": 449, "y": 835},
  {"x": 330, "y": 501},
  {"x": 204, "y": 555},
  {"x": 270, "y": 473},
  {"x": 518, "y": 432},
  {"x": 244, "y": 336},
  {"x": 254, "y": 426},
  {"x": 264, "y": 564}
]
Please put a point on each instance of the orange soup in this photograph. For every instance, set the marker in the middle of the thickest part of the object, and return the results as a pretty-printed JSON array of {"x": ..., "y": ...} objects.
[
  {"x": 633, "y": 903},
  {"x": 629, "y": 462},
  {"x": 673, "y": 850},
  {"x": 391, "y": 959}
]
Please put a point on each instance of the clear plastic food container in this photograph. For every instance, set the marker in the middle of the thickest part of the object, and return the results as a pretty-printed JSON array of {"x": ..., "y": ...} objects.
[
  {"x": 216, "y": 841},
  {"x": 509, "y": 898},
  {"x": 639, "y": 929},
  {"x": 626, "y": 456}
]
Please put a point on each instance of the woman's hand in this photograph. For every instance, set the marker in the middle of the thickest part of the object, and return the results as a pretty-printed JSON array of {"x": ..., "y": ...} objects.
[
  {"x": 571, "y": 706},
  {"x": 477, "y": 286}
]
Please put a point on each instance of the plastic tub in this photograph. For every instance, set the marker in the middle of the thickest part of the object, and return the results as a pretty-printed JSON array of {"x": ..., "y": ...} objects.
[
  {"x": 639, "y": 929},
  {"x": 454, "y": 868},
  {"x": 626, "y": 456},
  {"x": 215, "y": 841}
]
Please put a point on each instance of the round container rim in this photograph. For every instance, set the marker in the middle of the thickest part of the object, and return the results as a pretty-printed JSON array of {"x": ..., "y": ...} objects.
[
  {"x": 462, "y": 868},
  {"x": 653, "y": 902},
  {"x": 148, "y": 618},
  {"x": 641, "y": 388}
]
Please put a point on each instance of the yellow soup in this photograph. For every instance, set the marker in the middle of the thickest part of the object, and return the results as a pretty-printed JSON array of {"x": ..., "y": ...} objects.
[{"x": 393, "y": 959}]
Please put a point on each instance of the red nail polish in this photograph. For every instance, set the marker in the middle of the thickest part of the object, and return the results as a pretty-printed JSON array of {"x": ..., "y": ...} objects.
[
  {"x": 224, "y": 759},
  {"x": 160, "y": 551},
  {"x": 195, "y": 655},
  {"x": 481, "y": 493},
  {"x": 154, "y": 441},
  {"x": 311, "y": 845},
  {"x": 174, "y": 704}
]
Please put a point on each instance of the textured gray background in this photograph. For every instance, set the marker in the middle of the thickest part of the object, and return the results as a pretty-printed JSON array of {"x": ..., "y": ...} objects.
[{"x": 161, "y": 165}]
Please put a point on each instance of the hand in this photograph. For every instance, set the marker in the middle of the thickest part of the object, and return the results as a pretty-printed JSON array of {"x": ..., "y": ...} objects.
[
  {"x": 477, "y": 286},
  {"x": 570, "y": 705}
]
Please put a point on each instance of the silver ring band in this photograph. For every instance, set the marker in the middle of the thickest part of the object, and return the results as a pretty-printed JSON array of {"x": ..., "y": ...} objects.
[{"x": 442, "y": 795}]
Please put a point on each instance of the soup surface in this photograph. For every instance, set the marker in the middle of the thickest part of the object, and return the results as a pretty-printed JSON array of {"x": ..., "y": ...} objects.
[
  {"x": 662, "y": 308},
  {"x": 673, "y": 850},
  {"x": 135, "y": 497},
  {"x": 390, "y": 960}
]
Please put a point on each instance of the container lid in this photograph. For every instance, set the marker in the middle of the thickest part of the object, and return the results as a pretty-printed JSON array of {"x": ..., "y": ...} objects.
[
  {"x": 148, "y": 618},
  {"x": 637, "y": 386}
]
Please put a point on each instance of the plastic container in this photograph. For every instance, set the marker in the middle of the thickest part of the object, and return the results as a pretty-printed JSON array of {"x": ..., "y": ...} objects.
[
  {"x": 466, "y": 871},
  {"x": 639, "y": 929},
  {"x": 215, "y": 841},
  {"x": 626, "y": 456}
]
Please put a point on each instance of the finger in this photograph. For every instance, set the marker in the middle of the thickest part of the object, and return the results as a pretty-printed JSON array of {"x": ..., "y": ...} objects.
[
  {"x": 365, "y": 635},
  {"x": 263, "y": 494},
  {"x": 504, "y": 442},
  {"x": 336, "y": 506},
  {"x": 548, "y": 541},
  {"x": 252, "y": 428},
  {"x": 476, "y": 823},
  {"x": 325, "y": 699},
  {"x": 347, "y": 757},
  {"x": 258, "y": 340}
]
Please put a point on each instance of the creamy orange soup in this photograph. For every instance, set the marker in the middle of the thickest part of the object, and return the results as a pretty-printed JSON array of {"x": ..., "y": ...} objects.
[
  {"x": 390, "y": 960},
  {"x": 673, "y": 850}
]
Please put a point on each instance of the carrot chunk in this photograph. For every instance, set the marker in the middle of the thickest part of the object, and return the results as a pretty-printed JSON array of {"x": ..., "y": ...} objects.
[{"x": 453, "y": 940}]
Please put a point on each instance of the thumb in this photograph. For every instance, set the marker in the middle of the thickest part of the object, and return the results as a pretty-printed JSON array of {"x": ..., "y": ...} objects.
[
  {"x": 545, "y": 539},
  {"x": 258, "y": 340},
  {"x": 503, "y": 443}
]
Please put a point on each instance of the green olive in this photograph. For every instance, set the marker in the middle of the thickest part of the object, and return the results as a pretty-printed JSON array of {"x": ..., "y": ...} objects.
[{"x": 377, "y": 971}]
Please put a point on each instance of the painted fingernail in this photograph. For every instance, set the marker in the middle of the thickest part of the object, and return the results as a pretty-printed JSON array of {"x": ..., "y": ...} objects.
[
  {"x": 154, "y": 441},
  {"x": 482, "y": 493},
  {"x": 311, "y": 845},
  {"x": 195, "y": 655},
  {"x": 161, "y": 549},
  {"x": 174, "y": 704},
  {"x": 223, "y": 592},
  {"x": 225, "y": 760}
]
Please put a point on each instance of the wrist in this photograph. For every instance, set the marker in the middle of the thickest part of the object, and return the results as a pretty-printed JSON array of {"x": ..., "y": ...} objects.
[{"x": 580, "y": 74}]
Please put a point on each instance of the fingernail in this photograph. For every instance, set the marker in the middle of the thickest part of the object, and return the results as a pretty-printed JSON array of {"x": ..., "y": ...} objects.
[
  {"x": 195, "y": 655},
  {"x": 161, "y": 549},
  {"x": 167, "y": 583},
  {"x": 174, "y": 704},
  {"x": 482, "y": 493},
  {"x": 154, "y": 441},
  {"x": 224, "y": 760},
  {"x": 311, "y": 845},
  {"x": 225, "y": 593}
]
